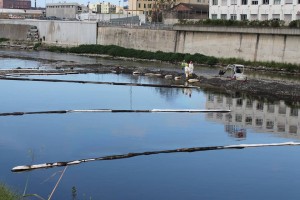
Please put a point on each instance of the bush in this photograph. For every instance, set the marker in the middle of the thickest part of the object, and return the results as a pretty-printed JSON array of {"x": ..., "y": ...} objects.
[{"x": 294, "y": 24}]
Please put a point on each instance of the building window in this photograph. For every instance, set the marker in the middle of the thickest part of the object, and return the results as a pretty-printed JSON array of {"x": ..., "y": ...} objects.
[
  {"x": 229, "y": 99},
  {"x": 139, "y": 5},
  {"x": 233, "y": 16},
  {"x": 228, "y": 118},
  {"x": 253, "y": 16},
  {"x": 287, "y": 18},
  {"x": 219, "y": 97},
  {"x": 215, "y": 2},
  {"x": 282, "y": 110},
  {"x": 224, "y": 2},
  {"x": 233, "y": 2},
  {"x": 254, "y": 2},
  {"x": 239, "y": 102},
  {"x": 144, "y": 5},
  {"x": 294, "y": 112},
  {"x": 293, "y": 129},
  {"x": 224, "y": 16},
  {"x": 259, "y": 106},
  {"x": 215, "y": 16},
  {"x": 244, "y": 2},
  {"x": 264, "y": 17},
  {"x": 281, "y": 127},
  {"x": 249, "y": 103},
  {"x": 288, "y": 1},
  {"x": 276, "y": 2},
  {"x": 248, "y": 120},
  {"x": 238, "y": 118},
  {"x": 270, "y": 108},
  {"x": 243, "y": 17},
  {"x": 270, "y": 125},
  {"x": 265, "y": 2},
  {"x": 211, "y": 97},
  {"x": 259, "y": 122},
  {"x": 219, "y": 116}
]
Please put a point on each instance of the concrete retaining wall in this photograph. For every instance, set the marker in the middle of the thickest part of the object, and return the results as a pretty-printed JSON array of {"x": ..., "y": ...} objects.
[
  {"x": 142, "y": 39},
  {"x": 279, "y": 45},
  {"x": 254, "y": 44},
  {"x": 14, "y": 32},
  {"x": 69, "y": 33}
]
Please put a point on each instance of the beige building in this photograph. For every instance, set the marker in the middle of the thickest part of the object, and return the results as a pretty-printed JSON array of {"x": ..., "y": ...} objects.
[{"x": 64, "y": 10}]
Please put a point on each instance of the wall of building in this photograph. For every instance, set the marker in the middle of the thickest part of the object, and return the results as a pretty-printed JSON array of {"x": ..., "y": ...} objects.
[
  {"x": 62, "y": 32},
  {"x": 143, "y": 39}
]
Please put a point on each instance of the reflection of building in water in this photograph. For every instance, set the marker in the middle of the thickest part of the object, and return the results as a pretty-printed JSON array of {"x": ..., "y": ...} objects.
[{"x": 246, "y": 113}]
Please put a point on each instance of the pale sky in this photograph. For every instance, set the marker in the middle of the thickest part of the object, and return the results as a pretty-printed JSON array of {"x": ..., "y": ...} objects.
[{"x": 41, "y": 3}]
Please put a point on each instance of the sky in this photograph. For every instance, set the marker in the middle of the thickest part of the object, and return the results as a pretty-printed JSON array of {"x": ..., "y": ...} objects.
[{"x": 41, "y": 3}]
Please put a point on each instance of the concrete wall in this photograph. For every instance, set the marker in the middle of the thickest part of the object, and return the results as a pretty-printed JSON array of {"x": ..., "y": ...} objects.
[
  {"x": 143, "y": 39},
  {"x": 254, "y": 44},
  {"x": 13, "y": 31},
  {"x": 70, "y": 33}
]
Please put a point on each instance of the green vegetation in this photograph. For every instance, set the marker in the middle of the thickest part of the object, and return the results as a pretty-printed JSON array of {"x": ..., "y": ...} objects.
[
  {"x": 8, "y": 194},
  {"x": 197, "y": 58},
  {"x": 243, "y": 23},
  {"x": 37, "y": 45},
  {"x": 3, "y": 40}
]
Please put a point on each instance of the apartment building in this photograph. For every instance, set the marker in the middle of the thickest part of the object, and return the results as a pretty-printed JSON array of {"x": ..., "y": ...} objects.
[
  {"x": 286, "y": 10},
  {"x": 64, "y": 10}
]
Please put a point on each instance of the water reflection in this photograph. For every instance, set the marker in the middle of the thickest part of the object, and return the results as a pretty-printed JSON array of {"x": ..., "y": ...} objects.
[{"x": 276, "y": 117}]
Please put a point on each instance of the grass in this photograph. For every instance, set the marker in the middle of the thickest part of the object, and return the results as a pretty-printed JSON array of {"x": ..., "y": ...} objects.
[
  {"x": 3, "y": 40},
  {"x": 197, "y": 58},
  {"x": 7, "y": 193}
]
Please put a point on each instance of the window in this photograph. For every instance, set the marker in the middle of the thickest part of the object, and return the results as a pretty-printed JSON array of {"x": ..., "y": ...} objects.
[
  {"x": 276, "y": 2},
  {"x": 249, "y": 103},
  {"x": 219, "y": 97},
  {"x": 270, "y": 125},
  {"x": 287, "y": 18},
  {"x": 229, "y": 101},
  {"x": 144, "y": 5},
  {"x": 264, "y": 16},
  {"x": 282, "y": 110},
  {"x": 244, "y": 2},
  {"x": 139, "y": 5},
  {"x": 211, "y": 97},
  {"x": 248, "y": 120},
  {"x": 149, "y": 5},
  {"x": 243, "y": 17},
  {"x": 224, "y": 2},
  {"x": 259, "y": 106},
  {"x": 294, "y": 112},
  {"x": 214, "y": 16},
  {"x": 223, "y": 16},
  {"x": 233, "y": 16},
  {"x": 270, "y": 108},
  {"x": 259, "y": 122},
  {"x": 228, "y": 117},
  {"x": 281, "y": 127},
  {"x": 219, "y": 116},
  {"x": 239, "y": 102},
  {"x": 293, "y": 129},
  {"x": 238, "y": 118},
  {"x": 215, "y": 2},
  {"x": 288, "y": 1},
  {"x": 253, "y": 16},
  {"x": 254, "y": 2},
  {"x": 233, "y": 2},
  {"x": 265, "y": 2}
]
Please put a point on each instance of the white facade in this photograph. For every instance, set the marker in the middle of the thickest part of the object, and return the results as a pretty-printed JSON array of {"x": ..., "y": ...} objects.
[
  {"x": 286, "y": 10},
  {"x": 261, "y": 116}
]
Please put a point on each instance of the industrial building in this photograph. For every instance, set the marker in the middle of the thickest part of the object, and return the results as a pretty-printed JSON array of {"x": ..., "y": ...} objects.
[{"x": 15, "y": 4}]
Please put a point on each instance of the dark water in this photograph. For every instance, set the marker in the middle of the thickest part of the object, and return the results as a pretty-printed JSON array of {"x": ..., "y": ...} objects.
[{"x": 254, "y": 173}]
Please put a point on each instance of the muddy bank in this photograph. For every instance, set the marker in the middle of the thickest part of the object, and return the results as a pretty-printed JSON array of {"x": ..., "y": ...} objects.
[{"x": 270, "y": 90}]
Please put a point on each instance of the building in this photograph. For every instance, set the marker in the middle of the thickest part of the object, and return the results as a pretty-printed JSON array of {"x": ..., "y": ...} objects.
[
  {"x": 15, "y": 4},
  {"x": 275, "y": 117},
  {"x": 286, "y": 10},
  {"x": 65, "y": 10}
]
